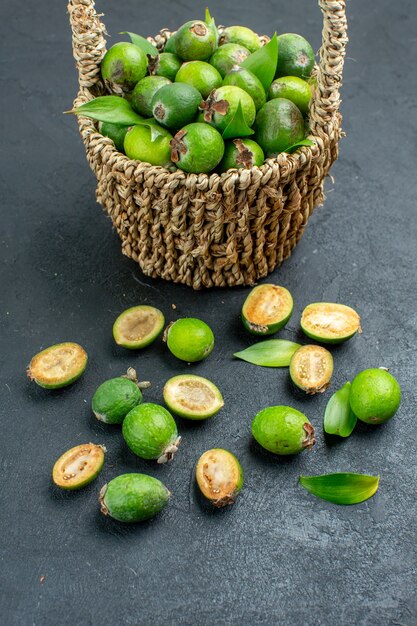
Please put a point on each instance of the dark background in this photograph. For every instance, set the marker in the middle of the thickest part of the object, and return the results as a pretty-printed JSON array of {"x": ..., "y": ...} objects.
[{"x": 279, "y": 556}]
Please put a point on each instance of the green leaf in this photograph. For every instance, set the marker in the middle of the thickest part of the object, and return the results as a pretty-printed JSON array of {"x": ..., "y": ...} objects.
[
  {"x": 339, "y": 418},
  {"x": 210, "y": 22},
  {"x": 141, "y": 43},
  {"x": 269, "y": 353},
  {"x": 341, "y": 488},
  {"x": 263, "y": 62},
  {"x": 295, "y": 146},
  {"x": 112, "y": 109},
  {"x": 237, "y": 126},
  {"x": 155, "y": 131}
]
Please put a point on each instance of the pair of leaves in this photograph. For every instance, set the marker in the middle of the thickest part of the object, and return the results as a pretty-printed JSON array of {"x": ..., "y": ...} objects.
[
  {"x": 339, "y": 418},
  {"x": 269, "y": 353},
  {"x": 263, "y": 62},
  {"x": 342, "y": 487}
]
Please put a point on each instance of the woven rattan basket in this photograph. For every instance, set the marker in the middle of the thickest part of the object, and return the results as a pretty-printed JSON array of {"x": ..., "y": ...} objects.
[{"x": 211, "y": 230}]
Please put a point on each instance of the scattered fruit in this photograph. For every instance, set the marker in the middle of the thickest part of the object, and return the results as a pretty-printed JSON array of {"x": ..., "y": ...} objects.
[
  {"x": 165, "y": 64},
  {"x": 133, "y": 497},
  {"x": 311, "y": 369},
  {"x": 138, "y": 326},
  {"x": 219, "y": 476},
  {"x": 58, "y": 366},
  {"x": 197, "y": 148},
  {"x": 329, "y": 322},
  {"x": 192, "y": 397},
  {"x": 200, "y": 75},
  {"x": 341, "y": 488},
  {"x": 279, "y": 125},
  {"x": 241, "y": 153},
  {"x": 227, "y": 56},
  {"x": 175, "y": 105},
  {"x": 246, "y": 80},
  {"x": 283, "y": 430},
  {"x": 292, "y": 88},
  {"x": 151, "y": 432},
  {"x": 195, "y": 41},
  {"x": 267, "y": 309},
  {"x": 114, "y": 132},
  {"x": 124, "y": 64},
  {"x": 78, "y": 466},
  {"x": 144, "y": 91},
  {"x": 150, "y": 144},
  {"x": 339, "y": 418},
  {"x": 189, "y": 339},
  {"x": 375, "y": 396},
  {"x": 240, "y": 35},
  {"x": 114, "y": 398},
  {"x": 222, "y": 104},
  {"x": 295, "y": 57}
]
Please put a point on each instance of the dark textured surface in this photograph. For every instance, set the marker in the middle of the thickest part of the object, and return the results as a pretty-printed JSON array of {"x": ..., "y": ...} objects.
[{"x": 279, "y": 556}]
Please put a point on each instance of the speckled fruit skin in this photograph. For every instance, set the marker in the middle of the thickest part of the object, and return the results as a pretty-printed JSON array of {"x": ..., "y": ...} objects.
[
  {"x": 227, "y": 56},
  {"x": 195, "y": 41},
  {"x": 168, "y": 65},
  {"x": 133, "y": 497},
  {"x": 144, "y": 91},
  {"x": 114, "y": 399},
  {"x": 178, "y": 102},
  {"x": 281, "y": 430},
  {"x": 295, "y": 56},
  {"x": 279, "y": 125},
  {"x": 246, "y": 80},
  {"x": 204, "y": 148},
  {"x": 148, "y": 430},
  {"x": 138, "y": 145},
  {"x": 200, "y": 75},
  {"x": 292, "y": 88},
  {"x": 124, "y": 64},
  {"x": 375, "y": 396},
  {"x": 233, "y": 95},
  {"x": 190, "y": 339},
  {"x": 241, "y": 35},
  {"x": 231, "y": 153},
  {"x": 114, "y": 132}
]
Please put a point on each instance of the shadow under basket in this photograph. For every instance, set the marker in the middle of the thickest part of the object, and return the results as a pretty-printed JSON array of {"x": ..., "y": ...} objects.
[{"x": 207, "y": 230}]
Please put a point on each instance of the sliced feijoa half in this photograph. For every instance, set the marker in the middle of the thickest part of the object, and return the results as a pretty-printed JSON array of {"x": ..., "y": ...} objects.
[
  {"x": 115, "y": 397},
  {"x": 78, "y": 466},
  {"x": 311, "y": 369},
  {"x": 267, "y": 309},
  {"x": 138, "y": 326},
  {"x": 192, "y": 397},
  {"x": 328, "y": 322},
  {"x": 58, "y": 366},
  {"x": 219, "y": 476},
  {"x": 133, "y": 497}
]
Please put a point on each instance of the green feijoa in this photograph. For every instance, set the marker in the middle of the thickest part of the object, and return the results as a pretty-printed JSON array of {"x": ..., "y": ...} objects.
[
  {"x": 175, "y": 105},
  {"x": 114, "y": 398},
  {"x": 189, "y": 339},
  {"x": 150, "y": 144},
  {"x": 311, "y": 369},
  {"x": 295, "y": 56},
  {"x": 124, "y": 64},
  {"x": 133, "y": 497},
  {"x": 151, "y": 432},
  {"x": 293, "y": 88},
  {"x": 222, "y": 104},
  {"x": 144, "y": 91},
  {"x": 170, "y": 44},
  {"x": 339, "y": 418},
  {"x": 78, "y": 466},
  {"x": 197, "y": 148},
  {"x": 138, "y": 326},
  {"x": 375, "y": 396},
  {"x": 219, "y": 476},
  {"x": 267, "y": 309},
  {"x": 165, "y": 64},
  {"x": 227, "y": 56},
  {"x": 283, "y": 430},
  {"x": 114, "y": 132},
  {"x": 246, "y": 80},
  {"x": 195, "y": 41},
  {"x": 241, "y": 153},
  {"x": 192, "y": 397},
  {"x": 58, "y": 366},
  {"x": 240, "y": 35},
  {"x": 329, "y": 322},
  {"x": 278, "y": 125},
  {"x": 200, "y": 75}
]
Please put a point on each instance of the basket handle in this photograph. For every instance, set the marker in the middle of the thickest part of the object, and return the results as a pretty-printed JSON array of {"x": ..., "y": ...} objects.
[
  {"x": 88, "y": 43},
  {"x": 326, "y": 100}
]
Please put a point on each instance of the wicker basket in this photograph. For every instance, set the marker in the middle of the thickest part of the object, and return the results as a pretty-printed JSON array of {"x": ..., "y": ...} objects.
[{"x": 211, "y": 230}]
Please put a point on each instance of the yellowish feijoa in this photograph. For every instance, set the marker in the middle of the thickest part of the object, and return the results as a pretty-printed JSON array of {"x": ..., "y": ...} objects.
[
  {"x": 219, "y": 476},
  {"x": 311, "y": 369},
  {"x": 138, "y": 326},
  {"x": 329, "y": 322},
  {"x": 192, "y": 397},
  {"x": 58, "y": 366},
  {"x": 267, "y": 309},
  {"x": 78, "y": 466}
]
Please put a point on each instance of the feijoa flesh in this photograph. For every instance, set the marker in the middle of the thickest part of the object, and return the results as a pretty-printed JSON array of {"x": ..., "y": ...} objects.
[
  {"x": 192, "y": 397},
  {"x": 329, "y": 322},
  {"x": 58, "y": 366},
  {"x": 133, "y": 497},
  {"x": 375, "y": 396},
  {"x": 138, "y": 326},
  {"x": 115, "y": 397},
  {"x": 78, "y": 466},
  {"x": 219, "y": 476},
  {"x": 151, "y": 432},
  {"x": 311, "y": 369},
  {"x": 283, "y": 430},
  {"x": 267, "y": 309}
]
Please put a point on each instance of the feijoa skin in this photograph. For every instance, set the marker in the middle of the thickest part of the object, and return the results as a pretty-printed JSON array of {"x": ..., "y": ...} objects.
[
  {"x": 151, "y": 432},
  {"x": 133, "y": 497},
  {"x": 189, "y": 339},
  {"x": 58, "y": 366},
  {"x": 197, "y": 148},
  {"x": 240, "y": 35},
  {"x": 283, "y": 430},
  {"x": 246, "y": 80},
  {"x": 114, "y": 132},
  {"x": 222, "y": 104},
  {"x": 311, "y": 369},
  {"x": 241, "y": 154},
  {"x": 149, "y": 145},
  {"x": 78, "y": 466},
  {"x": 192, "y": 397},
  {"x": 375, "y": 396},
  {"x": 267, "y": 309},
  {"x": 175, "y": 105},
  {"x": 329, "y": 322},
  {"x": 278, "y": 126},
  {"x": 200, "y": 75},
  {"x": 219, "y": 476},
  {"x": 293, "y": 88},
  {"x": 195, "y": 41},
  {"x": 124, "y": 64},
  {"x": 144, "y": 91},
  {"x": 166, "y": 65},
  {"x": 227, "y": 56},
  {"x": 138, "y": 327},
  {"x": 295, "y": 56},
  {"x": 114, "y": 398}
]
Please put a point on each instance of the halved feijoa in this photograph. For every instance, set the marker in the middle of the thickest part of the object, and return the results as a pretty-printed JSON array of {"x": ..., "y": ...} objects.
[
  {"x": 311, "y": 369},
  {"x": 138, "y": 326},
  {"x": 267, "y": 309},
  {"x": 133, "y": 497},
  {"x": 192, "y": 397},
  {"x": 78, "y": 466},
  {"x": 219, "y": 476},
  {"x": 328, "y": 322},
  {"x": 115, "y": 397},
  {"x": 58, "y": 366}
]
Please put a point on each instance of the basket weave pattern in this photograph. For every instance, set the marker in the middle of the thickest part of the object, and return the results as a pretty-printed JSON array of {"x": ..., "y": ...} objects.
[{"x": 211, "y": 230}]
